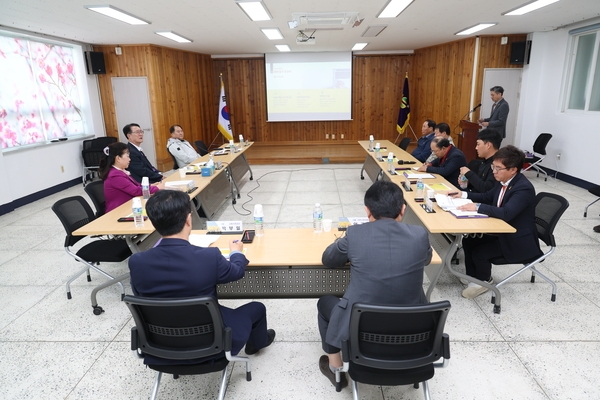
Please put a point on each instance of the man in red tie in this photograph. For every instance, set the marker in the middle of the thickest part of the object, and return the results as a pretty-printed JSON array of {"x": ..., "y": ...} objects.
[
  {"x": 499, "y": 114},
  {"x": 512, "y": 199}
]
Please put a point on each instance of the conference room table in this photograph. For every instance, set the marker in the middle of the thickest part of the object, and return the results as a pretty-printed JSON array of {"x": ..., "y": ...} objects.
[
  {"x": 445, "y": 230},
  {"x": 211, "y": 192}
]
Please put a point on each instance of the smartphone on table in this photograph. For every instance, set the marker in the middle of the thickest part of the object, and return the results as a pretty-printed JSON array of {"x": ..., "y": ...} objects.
[{"x": 248, "y": 235}]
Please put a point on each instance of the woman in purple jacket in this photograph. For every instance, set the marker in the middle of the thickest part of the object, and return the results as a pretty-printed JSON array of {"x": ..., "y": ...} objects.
[{"x": 119, "y": 187}]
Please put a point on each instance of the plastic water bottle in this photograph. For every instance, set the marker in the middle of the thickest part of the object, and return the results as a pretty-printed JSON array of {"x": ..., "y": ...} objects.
[
  {"x": 241, "y": 140},
  {"x": 318, "y": 218},
  {"x": 258, "y": 220},
  {"x": 390, "y": 162},
  {"x": 136, "y": 207},
  {"x": 145, "y": 188},
  {"x": 232, "y": 147},
  {"x": 378, "y": 152},
  {"x": 463, "y": 182},
  {"x": 420, "y": 193},
  {"x": 371, "y": 140}
]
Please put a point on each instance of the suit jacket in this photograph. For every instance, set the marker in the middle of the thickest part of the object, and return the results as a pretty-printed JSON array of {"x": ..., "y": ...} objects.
[
  {"x": 482, "y": 180},
  {"x": 177, "y": 269},
  {"x": 450, "y": 167},
  {"x": 497, "y": 119},
  {"x": 423, "y": 149},
  {"x": 386, "y": 261},
  {"x": 518, "y": 209},
  {"x": 140, "y": 166},
  {"x": 120, "y": 188}
]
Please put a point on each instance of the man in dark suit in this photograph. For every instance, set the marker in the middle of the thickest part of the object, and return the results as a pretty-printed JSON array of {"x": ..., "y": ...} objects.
[
  {"x": 499, "y": 115},
  {"x": 177, "y": 269},
  {"x": 423, "y": 149},
  {"x": 139, "y": 165},
  {"x": 448, "y": 162},
  {"x": 482, "y": 180},
  {"x": 512, "y": 199},
  {"x": 386, "y": 259}
]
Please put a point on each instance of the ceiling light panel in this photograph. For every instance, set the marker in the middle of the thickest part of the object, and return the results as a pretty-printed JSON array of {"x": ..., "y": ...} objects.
[
  {"x": 255, "y": 10},
  {"x": 359, "y": 46},
  {"x": 283, "y": 47},
  {"x": 476, "y": 28},
  {"x": 115, "y": 13},
  {"x": 393, "y": 8},
  {"x": 272, "y": 33},
  {"x": 173, "y": 36},
  {"x": 528, "y": 7}
]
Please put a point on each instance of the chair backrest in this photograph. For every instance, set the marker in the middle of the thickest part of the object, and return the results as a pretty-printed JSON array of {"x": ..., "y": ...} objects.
[
  {"x": 73, "y": 212},
  {"x": 549, "y": 208},
  {"x": 178, "y": 329},
  {"x": 540, "y": 143},
  {"x": 96, "y": 192},
  {"x": 397, "y": 337},
  {"x": 175, "y": 166},
  {"x": 201, "y": 146},
  {"x": 404, "y": 143},
  {"x": 93, "y": 150}
]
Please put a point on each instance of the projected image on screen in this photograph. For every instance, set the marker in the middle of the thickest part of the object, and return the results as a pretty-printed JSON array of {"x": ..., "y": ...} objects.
[{"x": 309, "y": 86}]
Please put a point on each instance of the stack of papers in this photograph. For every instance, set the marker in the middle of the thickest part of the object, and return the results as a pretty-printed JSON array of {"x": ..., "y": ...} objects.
[
  {"x": 417, "y": 175},
  {"x": 447, "y": 203},
  {"x": 467, "y": 214}
]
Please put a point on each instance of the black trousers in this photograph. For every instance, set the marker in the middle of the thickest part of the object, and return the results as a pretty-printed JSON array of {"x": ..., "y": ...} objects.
[
  {"x": 325, "y": 306},
  {"x": 478, "y": 253}
]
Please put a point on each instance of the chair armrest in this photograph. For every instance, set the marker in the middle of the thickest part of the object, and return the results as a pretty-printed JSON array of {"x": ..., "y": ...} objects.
[
  {"x": 446, "y": 346},
  {"x": 134, "y": 338},
  {"x": 345, "y": 351},
  {"x": 227, "y": 339}
]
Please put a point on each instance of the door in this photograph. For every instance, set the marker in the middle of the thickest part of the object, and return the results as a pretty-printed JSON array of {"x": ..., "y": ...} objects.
[
  {"x": 510, "y": 80},
  {"x": 132, "y": 105}
]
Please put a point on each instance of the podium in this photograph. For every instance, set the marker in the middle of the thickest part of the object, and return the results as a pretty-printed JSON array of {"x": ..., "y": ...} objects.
[{"x": 468, "y": 139}]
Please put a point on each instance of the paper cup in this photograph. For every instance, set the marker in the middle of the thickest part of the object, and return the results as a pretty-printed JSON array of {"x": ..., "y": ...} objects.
[
  {"x": 327, "y": 225},
  {"x": 182, "y": 172}
]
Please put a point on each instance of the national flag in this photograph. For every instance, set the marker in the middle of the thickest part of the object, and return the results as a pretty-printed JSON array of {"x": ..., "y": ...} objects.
[
  {"x": 224, "y": 123},
  {"x": 404, "y": 114}
]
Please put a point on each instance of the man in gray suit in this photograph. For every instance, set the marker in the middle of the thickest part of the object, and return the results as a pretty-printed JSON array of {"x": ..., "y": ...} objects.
[
  {"x": 386, "y": 258},
  {"x": 499, "y": 115}
]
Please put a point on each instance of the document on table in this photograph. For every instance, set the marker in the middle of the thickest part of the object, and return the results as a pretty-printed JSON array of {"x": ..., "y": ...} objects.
[
  {"x": 203, "y": 240},
  {"x": 467, "y": 214},
  {"x": 414, "y": 175},
  {"x": 226, "y": 252},
  {"x": 448, "y": 203},
  {"x": 438, "y": 187}
]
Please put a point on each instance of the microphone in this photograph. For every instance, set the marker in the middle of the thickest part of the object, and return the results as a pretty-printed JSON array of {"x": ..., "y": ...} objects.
[{"x": 476, "y": 107}]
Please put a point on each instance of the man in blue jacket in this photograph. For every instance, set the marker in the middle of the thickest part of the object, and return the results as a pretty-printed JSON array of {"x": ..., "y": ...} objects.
[{"x": 423, "y": 149}]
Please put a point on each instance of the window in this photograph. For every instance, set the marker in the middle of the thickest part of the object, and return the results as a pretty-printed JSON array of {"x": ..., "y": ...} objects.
[
  {"x": 39, "y": 96},
  {"x": 584, "y": 91}
]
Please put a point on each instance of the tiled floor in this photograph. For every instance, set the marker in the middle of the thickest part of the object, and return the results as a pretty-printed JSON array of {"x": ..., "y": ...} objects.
[{"x": 54, "y": 348}]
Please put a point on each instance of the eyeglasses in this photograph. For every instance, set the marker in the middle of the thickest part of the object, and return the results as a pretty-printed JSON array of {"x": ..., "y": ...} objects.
[
  {"x": 495, "y": 168},
  {"x": 138, "y": 132}
]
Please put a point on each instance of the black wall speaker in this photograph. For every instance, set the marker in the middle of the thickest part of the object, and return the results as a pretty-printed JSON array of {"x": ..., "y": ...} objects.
[
  {"x": 519, "y": 52},
  {"x": 94, "y": 62}
]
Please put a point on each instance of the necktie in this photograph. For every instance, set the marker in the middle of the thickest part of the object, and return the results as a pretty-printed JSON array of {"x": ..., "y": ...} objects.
[
  {"x": 493, "y": 107},
  {"x": 501, "y": 196}
]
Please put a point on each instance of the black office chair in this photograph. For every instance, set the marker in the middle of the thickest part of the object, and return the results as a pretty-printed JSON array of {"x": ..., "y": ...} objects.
[
  {"x": 539, "y": 153},
  {"x": 74, "y": 212},
  {"x": 395, "y": 345},
  {"x": 595, "y": 190},
  {"x": 182, "y": 330},
  {"x": 404, "y": 143},
  {"x": 201, "y": 146},
  {"x": 175, "y": 166},
  {"x": 96, "y": 192},
  {"x": 92, "y": 153},
  {"x": 548, "y": 210}
]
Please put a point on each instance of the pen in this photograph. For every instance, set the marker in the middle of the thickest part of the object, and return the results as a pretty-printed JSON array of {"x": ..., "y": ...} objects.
[{"x": 236, "y": 241}]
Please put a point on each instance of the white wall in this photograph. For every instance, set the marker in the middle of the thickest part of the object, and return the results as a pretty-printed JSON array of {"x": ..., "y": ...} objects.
[{"x": 575, "y": 134}]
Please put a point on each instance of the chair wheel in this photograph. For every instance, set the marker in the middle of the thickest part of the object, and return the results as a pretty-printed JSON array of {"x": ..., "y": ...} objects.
[
  {"x": 89, "y": 278},
  {"x": 233, "y": 201},
  {"x": 175, "y": 376},
  {"x": 248, "y": 376},
  {"x": 122, "y": 296},
  {"x": 416, "y": 385},
  {"x": 98, "y": 310},
  {"x": 553, "y": 298},
  {"x": 251, "y": 178},
  {"x": 532, "y": 280},
  {"x": 362, "y": 177},
  {"x": 496, "y": 309},
  {"x": 69, "y": 295}
]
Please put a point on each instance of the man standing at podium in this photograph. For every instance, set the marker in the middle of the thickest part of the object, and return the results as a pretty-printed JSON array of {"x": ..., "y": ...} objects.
[{"x": 499, "y": 114}]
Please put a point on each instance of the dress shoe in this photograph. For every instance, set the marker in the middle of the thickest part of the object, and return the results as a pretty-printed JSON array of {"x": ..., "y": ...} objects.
[
  {"x": 597, "y": 228},
  {"x": 252, "y": 350},
  {"x": 473, "y": 290},
  {"x": 325, "y": 370}
]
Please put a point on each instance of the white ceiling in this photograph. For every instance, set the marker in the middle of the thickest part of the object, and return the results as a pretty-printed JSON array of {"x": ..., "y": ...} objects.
[{"x": 220, "y": 27}]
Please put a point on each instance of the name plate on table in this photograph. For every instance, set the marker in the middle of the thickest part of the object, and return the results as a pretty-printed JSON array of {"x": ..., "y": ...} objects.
[
  {"x": 345, "y": 222},
  {"x": 224, "y": 227}
]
